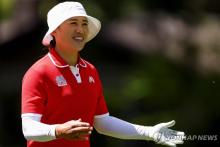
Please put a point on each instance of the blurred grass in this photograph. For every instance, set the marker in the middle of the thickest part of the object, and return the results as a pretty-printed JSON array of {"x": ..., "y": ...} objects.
[
  {"x": 155, "y": 89},
  {"x": 6, "y": 9}
]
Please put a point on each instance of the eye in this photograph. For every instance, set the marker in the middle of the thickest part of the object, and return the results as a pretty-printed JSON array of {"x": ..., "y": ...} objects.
[
  {"x": 85, "y": 24},
  {"x": 73, "y": 22}
]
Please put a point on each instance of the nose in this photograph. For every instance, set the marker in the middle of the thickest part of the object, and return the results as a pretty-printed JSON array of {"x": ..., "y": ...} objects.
[{"x": 79, "y": 29}]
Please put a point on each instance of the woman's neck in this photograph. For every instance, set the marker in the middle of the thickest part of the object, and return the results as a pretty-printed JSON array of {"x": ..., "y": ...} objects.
[{"x": 70, "y": 58}]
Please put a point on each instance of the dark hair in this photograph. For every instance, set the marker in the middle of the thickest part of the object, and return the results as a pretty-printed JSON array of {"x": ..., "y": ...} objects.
[{"x": 53, "y": 43}]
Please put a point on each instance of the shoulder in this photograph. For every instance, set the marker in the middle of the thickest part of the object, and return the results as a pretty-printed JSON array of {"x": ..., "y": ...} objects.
[
  {"x": 39, "y": 67},
  {"x": 90, "y": 65},
  {"x": 91, "y": 68},
  {"x": 87, "y": 64}
]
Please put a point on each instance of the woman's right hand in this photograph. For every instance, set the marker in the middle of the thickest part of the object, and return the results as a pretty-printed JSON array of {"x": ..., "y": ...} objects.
[{"x": 73, "y": 130}]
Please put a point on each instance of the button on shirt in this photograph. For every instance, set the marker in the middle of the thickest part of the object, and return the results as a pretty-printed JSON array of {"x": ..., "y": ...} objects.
[{"x": 61, "y": 93}]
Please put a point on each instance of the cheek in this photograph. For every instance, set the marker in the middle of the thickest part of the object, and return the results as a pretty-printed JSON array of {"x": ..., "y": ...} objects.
[
  {"x": 66, "y": 35},
  {"x": 86, "y": 32}
]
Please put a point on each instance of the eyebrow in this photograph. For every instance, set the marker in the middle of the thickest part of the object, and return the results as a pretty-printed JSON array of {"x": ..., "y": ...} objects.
[{"x": 73, "y": 19}]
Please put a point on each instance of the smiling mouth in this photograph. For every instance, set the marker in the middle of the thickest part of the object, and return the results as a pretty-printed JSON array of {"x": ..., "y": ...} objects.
[{"x": 78, "y": 38}]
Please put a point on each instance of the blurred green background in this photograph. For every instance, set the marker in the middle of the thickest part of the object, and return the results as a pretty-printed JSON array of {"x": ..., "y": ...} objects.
[{"x": 158, "y": 61}]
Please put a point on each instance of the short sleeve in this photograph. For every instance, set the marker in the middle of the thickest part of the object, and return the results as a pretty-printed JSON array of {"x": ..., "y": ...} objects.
[
  {"x": 33, "y": 93},
  {"x": 101, "y": 103},
  {"x": 101, "y": 106}
]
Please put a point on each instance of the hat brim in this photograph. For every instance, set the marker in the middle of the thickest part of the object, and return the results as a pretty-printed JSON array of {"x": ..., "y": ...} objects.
[{"x": 94, "y": 26}]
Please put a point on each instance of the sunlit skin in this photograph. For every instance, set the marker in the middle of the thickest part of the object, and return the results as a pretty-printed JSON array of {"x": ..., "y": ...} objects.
[{"x": 70, "y": 38}]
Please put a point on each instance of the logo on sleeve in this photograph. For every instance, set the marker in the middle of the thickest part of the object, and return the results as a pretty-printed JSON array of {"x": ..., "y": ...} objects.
[
  {"x": 91, "y": 79},
  {"x": 60, "y": 80}
]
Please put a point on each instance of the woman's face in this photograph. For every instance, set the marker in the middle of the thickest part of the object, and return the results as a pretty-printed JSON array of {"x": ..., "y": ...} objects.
[{"x": 71, "y": 34}]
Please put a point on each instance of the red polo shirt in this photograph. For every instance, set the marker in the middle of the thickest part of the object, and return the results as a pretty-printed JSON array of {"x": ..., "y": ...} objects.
[{"x": 50, "y": 88}]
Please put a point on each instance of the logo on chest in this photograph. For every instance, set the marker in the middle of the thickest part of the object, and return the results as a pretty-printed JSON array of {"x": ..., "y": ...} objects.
[
  {"x": 91, "y": 79},
  {"x": 61, "y": 81}
]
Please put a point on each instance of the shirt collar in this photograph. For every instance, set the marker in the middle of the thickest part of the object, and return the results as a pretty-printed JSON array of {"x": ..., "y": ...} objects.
[{"x": 58, "y": 61}]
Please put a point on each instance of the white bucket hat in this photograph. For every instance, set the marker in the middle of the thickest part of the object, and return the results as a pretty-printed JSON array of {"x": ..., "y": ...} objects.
[{"x": 63, "y": 11}]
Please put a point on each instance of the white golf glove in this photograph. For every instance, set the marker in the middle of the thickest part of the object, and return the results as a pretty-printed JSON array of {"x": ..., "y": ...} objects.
[{"x": 162, "y": 135}]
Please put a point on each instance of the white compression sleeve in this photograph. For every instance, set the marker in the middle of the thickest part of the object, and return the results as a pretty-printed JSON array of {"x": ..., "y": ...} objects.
[
  {"x": 115, "y": 127},
  {"x": 33, "y": 129}
]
